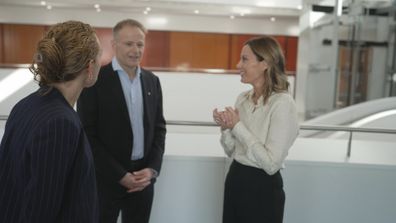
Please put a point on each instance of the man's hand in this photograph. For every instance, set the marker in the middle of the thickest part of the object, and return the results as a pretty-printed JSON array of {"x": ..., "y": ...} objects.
[{"x": 137, "y": 180}]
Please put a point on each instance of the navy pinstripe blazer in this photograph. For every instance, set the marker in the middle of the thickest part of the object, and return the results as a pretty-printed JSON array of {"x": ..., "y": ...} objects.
[{"x": 46, "y": 165}]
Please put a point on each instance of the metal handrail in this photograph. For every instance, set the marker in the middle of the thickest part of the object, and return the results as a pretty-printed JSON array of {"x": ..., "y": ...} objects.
[
  {"x": 303, "y": 127},
  {"x": 333, "y": 128},
  {"x": 351, "y": 130}
]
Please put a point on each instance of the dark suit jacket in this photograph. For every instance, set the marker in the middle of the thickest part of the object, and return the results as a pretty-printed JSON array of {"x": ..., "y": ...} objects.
[
  {"x": 47, "y": 171},
  {"x": 104, "y": 114}
]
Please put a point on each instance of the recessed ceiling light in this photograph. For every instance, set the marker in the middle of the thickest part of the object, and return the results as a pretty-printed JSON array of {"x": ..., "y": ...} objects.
[
  {"x": 272, "y": 19},
  {"x": 98, "y": 10},
  {"x": 96, "y": 6},
  {"x": 196, "y": 11},
  {"x": 219, "y": 71},
  {"x": 145, "y": 12},
  {"x": 43, "y": 3},
  {"x": 266, "y": 4},
  {"x": 299, "y": 7},
  {"x": 157, "y": 21},
  {"x": 148, "y": 9},
  {"x": 240, "y": 10},
  {"x": 232, "y": 17},
  {"x": 49, "y": 7}
]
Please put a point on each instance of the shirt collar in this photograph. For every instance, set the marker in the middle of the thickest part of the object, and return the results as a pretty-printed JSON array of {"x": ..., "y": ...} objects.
[{"x": 117, "y": 67}]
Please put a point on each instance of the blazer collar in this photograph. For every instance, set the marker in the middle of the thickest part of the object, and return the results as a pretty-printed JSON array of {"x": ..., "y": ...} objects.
[{"x": 117, "y": 68}]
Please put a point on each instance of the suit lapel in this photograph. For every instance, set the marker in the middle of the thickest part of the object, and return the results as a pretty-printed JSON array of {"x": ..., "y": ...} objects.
[
  {"x": 148, "y": 95},
  {"x": 117, "y": 93}
]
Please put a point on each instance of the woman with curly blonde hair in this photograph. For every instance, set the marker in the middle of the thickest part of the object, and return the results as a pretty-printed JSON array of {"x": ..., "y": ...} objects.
[{"x": 46, "y": 166}]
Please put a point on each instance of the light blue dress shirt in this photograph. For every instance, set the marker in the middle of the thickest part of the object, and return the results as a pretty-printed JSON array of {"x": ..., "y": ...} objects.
[{"x": 134, "y": 100}]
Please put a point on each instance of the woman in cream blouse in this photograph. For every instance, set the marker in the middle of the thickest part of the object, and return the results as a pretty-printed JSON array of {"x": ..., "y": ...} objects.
[{"x": 257, "y": 134}]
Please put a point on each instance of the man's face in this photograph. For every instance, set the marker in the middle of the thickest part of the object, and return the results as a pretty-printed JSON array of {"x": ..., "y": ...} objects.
[{"x": 128, "y": 46}]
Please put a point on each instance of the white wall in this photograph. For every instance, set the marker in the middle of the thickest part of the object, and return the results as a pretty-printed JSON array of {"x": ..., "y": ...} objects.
[
  {"x": 14, "y": 85},
  {"x": 187, "y": 96},
  {"x": 327, "y": 193},
  {"x": 191, "y": 190},
  {"x": 321, "y": 185}
]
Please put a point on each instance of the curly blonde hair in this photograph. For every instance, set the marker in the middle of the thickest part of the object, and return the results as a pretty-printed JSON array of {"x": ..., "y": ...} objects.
[{"x": 64, "y": 51}]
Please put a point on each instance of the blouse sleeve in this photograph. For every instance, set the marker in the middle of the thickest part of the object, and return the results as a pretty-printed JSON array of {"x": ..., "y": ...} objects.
[
  {"x": 227, "y": 140},
  {"x": 282, "y": 132}
]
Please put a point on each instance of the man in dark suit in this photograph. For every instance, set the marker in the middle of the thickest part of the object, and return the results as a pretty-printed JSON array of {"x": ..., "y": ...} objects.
[{"x": 123, "y": 118}]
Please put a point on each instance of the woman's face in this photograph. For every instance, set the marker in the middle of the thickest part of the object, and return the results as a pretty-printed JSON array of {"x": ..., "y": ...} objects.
[{"x": 250, "y": 68}]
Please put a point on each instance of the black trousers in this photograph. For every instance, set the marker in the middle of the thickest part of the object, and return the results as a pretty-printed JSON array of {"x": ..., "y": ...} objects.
[
  {"x": 252, "y": 196},
  {"x": 135, "y": 207}
]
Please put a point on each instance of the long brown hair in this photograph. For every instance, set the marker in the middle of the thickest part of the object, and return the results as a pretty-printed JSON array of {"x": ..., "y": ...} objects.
[{"x": 268, "y": 49}]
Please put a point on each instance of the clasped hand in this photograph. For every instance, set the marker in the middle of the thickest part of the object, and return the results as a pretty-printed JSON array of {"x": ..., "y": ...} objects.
[
  {"x": 227, "y": 119},
  {"x": 137, "y": 180}
]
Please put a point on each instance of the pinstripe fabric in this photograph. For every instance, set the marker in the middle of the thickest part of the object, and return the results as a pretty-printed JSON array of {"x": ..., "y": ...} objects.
[{"x": 46, "y": 165}]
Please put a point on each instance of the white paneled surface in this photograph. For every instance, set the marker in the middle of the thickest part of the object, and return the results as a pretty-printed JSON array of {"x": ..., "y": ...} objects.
[{"x": 321, "y": 184}]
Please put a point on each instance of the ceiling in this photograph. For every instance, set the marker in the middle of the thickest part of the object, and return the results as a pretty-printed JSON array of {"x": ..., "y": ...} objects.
[
  {"x": 236, "y": 8},
  {"x": 229, "y": 8}
]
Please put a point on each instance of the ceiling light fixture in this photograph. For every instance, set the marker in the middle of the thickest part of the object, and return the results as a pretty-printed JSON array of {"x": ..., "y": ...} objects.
[
  {"x": 232, "y": 17},
  {"x": 157, "y": 21},
  {"x": 196, "y": 11},
  {"x": 148, "y": 9},
  {"x": 273, "y": 19},
  {"x": 240, "y": 11},
  {"x": 49, "y": 7},
  {"x": 96, "y": 6},
  {"x": 43, "y": 3},
  {"x": 267, "y": 3}
]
